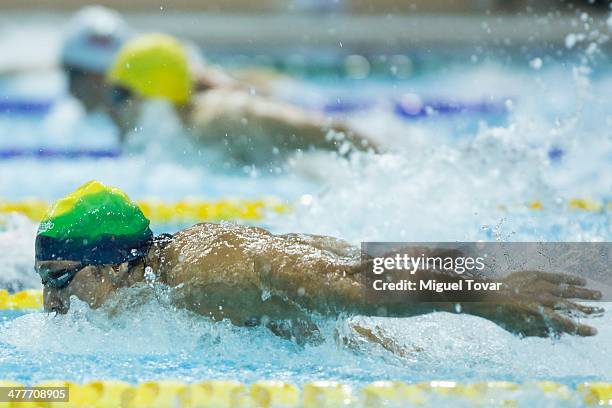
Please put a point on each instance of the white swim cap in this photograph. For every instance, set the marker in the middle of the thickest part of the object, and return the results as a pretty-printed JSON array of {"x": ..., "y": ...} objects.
[{"x": 94, "y": 36}]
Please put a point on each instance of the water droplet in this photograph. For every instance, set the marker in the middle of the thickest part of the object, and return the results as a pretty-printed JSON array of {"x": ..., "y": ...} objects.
[
  {"x": 536, "y": 63},
  {"x": 265, "y": 295},
  {"x": 149, "y": 275}
]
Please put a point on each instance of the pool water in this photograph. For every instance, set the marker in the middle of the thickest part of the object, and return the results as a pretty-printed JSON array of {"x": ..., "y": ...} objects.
[
  {"x": 446, "y": 177},
  {"x": 152, "y": 341}
]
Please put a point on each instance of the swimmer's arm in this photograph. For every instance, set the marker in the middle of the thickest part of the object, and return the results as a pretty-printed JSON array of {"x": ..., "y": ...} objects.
[
  {"x": 293, "y": 127},
  {"x": 531, "y": 303},
  {"x": 534, "y": 303},
  {"x": 210, "y": 77},
  {"x": 420, "y": 302}
]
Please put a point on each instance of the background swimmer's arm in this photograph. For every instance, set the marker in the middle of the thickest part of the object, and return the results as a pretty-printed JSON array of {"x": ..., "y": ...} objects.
[
  {"x": 230, "y": 113},
  {"x": 208, "y": 77},
  {"x": 294, "y": 128}
]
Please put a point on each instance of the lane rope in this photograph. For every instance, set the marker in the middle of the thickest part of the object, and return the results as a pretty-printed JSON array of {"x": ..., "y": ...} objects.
[
  {"x": 22, "y": 106},
  {"x": 223, "y": 393},
  {"x": 555, "y": 154},
  {"x": 194, "y": 210},
  {"x": 187, "y": 210},
  {"x": 411, "y": 107},
  {"x": 50, "y": 153},
  {"x": 23, "y": 300}
]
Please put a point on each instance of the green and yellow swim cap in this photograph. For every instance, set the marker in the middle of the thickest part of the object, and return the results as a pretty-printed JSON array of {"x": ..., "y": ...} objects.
[
  {"x": 94, "y": 225},
  {"x": 153, "y": 66}
]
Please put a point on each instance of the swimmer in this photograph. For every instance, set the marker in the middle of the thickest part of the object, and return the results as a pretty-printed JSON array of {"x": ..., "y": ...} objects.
[
  {"x": 248, "y": 127},
  {"x": 93, "y": 37},
  {"x": 95, "y": 242}
]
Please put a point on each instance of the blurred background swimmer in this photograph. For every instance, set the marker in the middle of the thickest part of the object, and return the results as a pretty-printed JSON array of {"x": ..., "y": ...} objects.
[
  {"x": 248, "y": 127},
  {"x": 91, "y": 39},
  {"x": 94, "y": 35}
]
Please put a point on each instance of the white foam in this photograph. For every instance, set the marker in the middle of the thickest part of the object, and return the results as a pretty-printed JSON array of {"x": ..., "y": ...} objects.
[
  {"x": 192, "y": 347},
  {"x": 17, "y": 235}
]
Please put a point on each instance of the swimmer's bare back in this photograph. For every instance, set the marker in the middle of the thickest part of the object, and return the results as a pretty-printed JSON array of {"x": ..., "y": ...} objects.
[{"x": 247, "y": 274}]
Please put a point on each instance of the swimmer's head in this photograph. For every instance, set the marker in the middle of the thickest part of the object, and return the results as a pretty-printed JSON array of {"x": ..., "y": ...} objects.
[
  {"x": 86, "y": 244},
  {"x": 92, "y": 284},
  {"x": 94, "y": 36},
  {"x": 151, "y": 66}
]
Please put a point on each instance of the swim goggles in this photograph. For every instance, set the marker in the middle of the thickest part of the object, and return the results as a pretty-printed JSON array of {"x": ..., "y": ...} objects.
[
  {"x": 74, "y": 73},
  {"x": 58, "y": 274},
  {"x": 118, "y": 95}
]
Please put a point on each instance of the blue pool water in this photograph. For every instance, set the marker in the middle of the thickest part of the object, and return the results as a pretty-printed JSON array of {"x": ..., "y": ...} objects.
[{"x": 445, "y": 177}]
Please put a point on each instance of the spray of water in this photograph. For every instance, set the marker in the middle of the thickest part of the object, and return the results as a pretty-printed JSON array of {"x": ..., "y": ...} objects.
[{"x": 151, "y": 339}]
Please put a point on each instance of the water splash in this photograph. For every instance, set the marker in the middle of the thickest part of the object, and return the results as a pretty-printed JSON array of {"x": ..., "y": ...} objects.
[
  {"x": 17, "y": 235},
  {"x": 151, "y": 339}
]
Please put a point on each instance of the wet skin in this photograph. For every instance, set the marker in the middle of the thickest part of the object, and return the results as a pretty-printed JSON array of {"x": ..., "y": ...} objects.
[
  {"x": 260, "y": 130},
  {"x": 250, "y": 276}
]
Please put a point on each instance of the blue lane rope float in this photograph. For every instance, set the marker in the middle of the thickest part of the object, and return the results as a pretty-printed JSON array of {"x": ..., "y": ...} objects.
[
  {"x": 51, "y": 153},
  {"x": 414, "y": 108},
  {"x": 341, "y": 105},
  {"x": 269, "y": 393},
  {"x": 25, "y": 106},
  {"x": 556, "y": 153}
]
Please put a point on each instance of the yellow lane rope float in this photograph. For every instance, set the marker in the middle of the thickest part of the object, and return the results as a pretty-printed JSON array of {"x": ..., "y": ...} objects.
[
  {"x": 26, "y": 299},
  {"x": 186, "y": 210},
  {"x": 168, "y": 393},
  {"x": 581, "y": 204},
  {"x": 194, "y": 210}
]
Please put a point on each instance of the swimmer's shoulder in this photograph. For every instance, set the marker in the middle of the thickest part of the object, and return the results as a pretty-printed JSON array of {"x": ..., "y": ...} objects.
[
  {"x": 202, "y": 229},
  {"x": 189, "y": 243},
  {"x": 219, "y": 100},
  {"x": 228, "y": 103},
  {"x": 207, "y": 231},
  {"x": 333, "y": 245}
]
